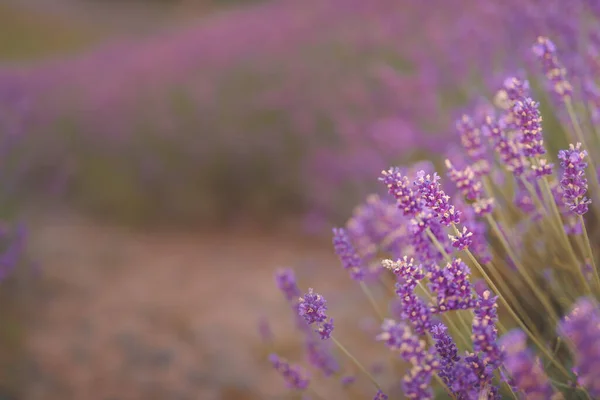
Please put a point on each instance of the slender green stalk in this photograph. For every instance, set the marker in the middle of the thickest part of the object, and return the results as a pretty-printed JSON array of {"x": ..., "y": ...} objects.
[
  {"x": 590, "y": 254},
  {"x": 510, "y": 310},
  {"x": 356, "y": 362},
  {"x": 369, "y": 295},
  {"x": 527, "y": 278}
]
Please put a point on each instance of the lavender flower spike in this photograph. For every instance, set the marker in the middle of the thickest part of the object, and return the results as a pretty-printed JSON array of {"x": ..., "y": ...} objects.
[
  {"x": 399, "y": 186},
  {"x": 555, "y": 72},
  {"x": 526, "y": 372},
  {"x": 312, "y": 307},
  {"x": 574, "y": 183},
  {"x": 582, "y": 328},
  {"x": 347, "y": 254},
  {"x": 295, "y": 377},
  {"x": 380, "y": 396},
  {"x": 529, "y": 121},
  {"x": 430, "y": 190}
]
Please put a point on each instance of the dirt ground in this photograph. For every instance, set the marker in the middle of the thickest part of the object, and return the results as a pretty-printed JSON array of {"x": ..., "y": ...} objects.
[{"x": 121, "y": 314}]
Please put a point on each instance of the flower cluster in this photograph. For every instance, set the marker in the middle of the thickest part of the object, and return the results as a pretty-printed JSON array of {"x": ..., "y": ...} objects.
[
  {"x": 516, "y": 223},
  {"x": 574, "y": 183}
]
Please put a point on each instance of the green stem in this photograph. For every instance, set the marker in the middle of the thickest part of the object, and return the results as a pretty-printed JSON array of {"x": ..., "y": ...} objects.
[
  {"x": 369, "y": 295},
  {"x": 518, "y": 320},
  {"x": 588, "y": 247},
  {"x": 356, "y": 362}
]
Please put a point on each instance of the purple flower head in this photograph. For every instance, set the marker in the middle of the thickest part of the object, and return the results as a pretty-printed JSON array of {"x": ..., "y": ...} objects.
[
  {"x": 347, "y": 254},
  {"x": 295, "y": 377},
  {"x": 462, "y": 240},
  {"x": 471, "y": 138},
  {"x": 320, "y": 357},
  {"x": 325, "y": 329},
  {"x": 544, "y": 168},
  {"x": 380, "y": 396},
  {"x": 515, "y": 89},
  {"x": 555, "y": 72},
  {"x": 406, "y": 271},
  {"x": 399, "y": 338},
  {"x": 581, "y": 327},
  {"x": 529, "y": 121},
  {"x": 399, "y": 186},
  {"x": 485, "y": 333},
  {"x": 285, "y": 279},
  {"x": 573, "y": 182},
  {"x": 509, "y": 152},
  {"x": 526, "y": 372},
  {"x": 447, "y": 352},
  {"x": 312, "y": 307},
  {"x": 451, "y": 286},
  {"x": 483, "y": 374},
  {"x": 465, "y": 180},
  {"x": 417, "y": 382},
  {"x": 413, "y": 307},
  {"x": 430, "y": 190}
]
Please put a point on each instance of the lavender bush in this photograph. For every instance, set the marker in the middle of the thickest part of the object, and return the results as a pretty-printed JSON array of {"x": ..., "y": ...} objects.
[
  {"x": 284, "y": 101},
  {"x": 489, "y": 275}
]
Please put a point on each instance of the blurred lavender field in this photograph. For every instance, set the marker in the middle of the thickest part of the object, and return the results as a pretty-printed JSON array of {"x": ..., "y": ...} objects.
[{"x": 225, "y": 130}]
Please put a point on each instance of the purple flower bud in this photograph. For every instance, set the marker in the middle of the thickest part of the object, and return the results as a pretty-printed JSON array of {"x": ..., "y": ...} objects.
[
  {"x": 380, "y": 396},
  {"x": 285, "y": 279},
  {"x": 529, "y": 121},
  {"x": 471, "y": 138},
  {"x": 312, "y": 307},
  {"x": 462, "y": 240},
  {"x": 413, "y": 307},
  {"x": 485, "y": 333},
  {"x": 347, "y": 254},
  {"x": 399, "y": 186},
  {"x": 573, "y": 182},
  {"x": 433, "y": 195},
  {"x": 452, "y": 287},
  {"x": 555, "y": 72}
]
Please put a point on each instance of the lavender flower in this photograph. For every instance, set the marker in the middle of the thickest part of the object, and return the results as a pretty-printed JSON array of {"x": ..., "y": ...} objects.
[
  {"x": 527, "y": 374},
  {"x": 312, "y": 307},
  {"x": 347, "y": 254},
  {"x": 555, "y": 72},
  {"x": 380, "y": 396},
  {"x": 295, "y": 377},
  {"x": 399, "y": 186},
  {"x": 515, "y": 89},
  {"x": 574, "y": 183},
  {"x": 529, "y": 121},
  {"x": 399, "y": 338},
  {"x": 471, "y": 138},
  {"x": 413, "y": 307},
  {"x": 447, "y": 352},
  {"x": 431, "y": 192},
  {"x": 509, "y": 152},
  {"x": 485, "y": 332},
  {"x": 581, "y": 327},
  {"x": 417, "y": 382},
  {"x": 285, "y": 279},
  {"x": 462, "y": 240},
  {"x": 451, "y": 286},
  {"x": 465, "y": 180}
]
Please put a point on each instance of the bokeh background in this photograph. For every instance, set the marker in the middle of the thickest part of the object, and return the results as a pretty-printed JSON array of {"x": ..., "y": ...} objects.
[{"x": 160, "y": 158}]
